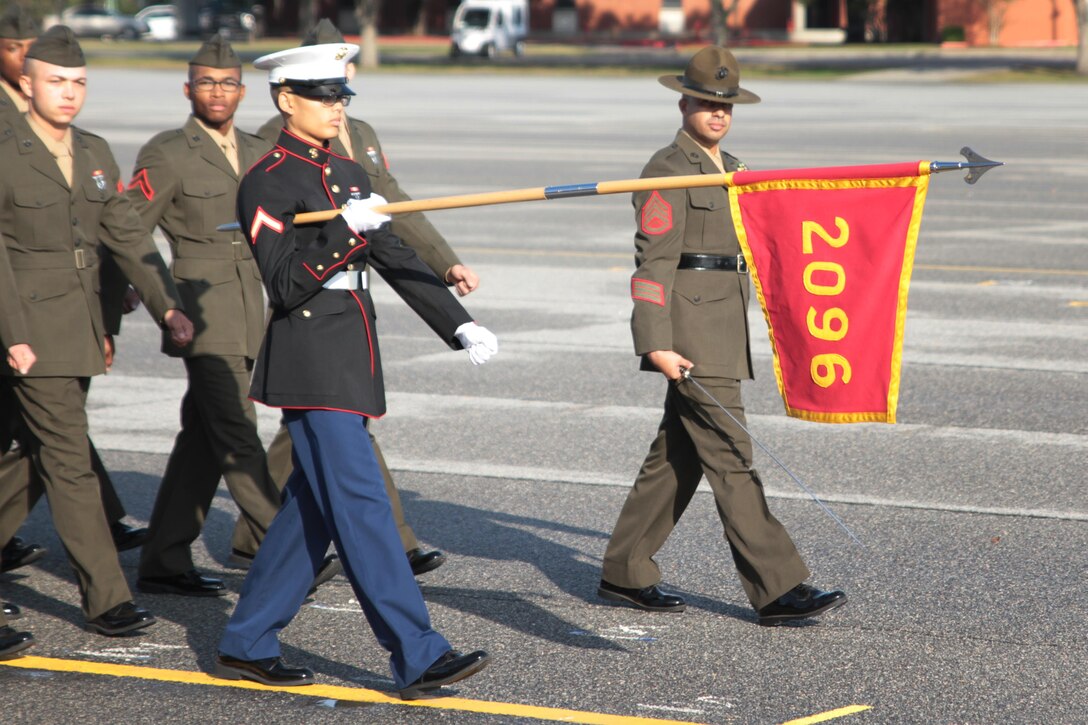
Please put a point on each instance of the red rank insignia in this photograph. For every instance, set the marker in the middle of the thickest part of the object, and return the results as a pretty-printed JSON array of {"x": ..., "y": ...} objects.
[
  {"x": 656, "y": 215},
  {"x": 648, "y": 291},
  {"x": 263, "y": 219},
  {"x": 141, "y": 182}
]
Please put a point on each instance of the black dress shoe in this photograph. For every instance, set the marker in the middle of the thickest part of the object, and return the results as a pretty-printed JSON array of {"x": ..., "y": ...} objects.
[
  {"x": 12, "y": 641},
  {"x": 269, "y": 671},
  {"x": 11, "y": 611},
  {"x": 425, "y": 561},
  {"x": 125, "y": 617},
  {"x": 127, "y": 537},
  {"x": 449, "y": 668},
  {"x": 329, "y": 568},
  {"x": 239, "y": 559},
  {"x": 652, "y": 599},
  {"x": 17, "y": 553},
  {"x": 189, "y": 584},
  {"x": 801, "y": 602}
]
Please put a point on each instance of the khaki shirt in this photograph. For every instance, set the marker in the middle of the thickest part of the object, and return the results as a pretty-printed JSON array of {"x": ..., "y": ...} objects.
[
  {"x": 61, "y": 150},
  {"x": 15, "y": 98},
  {"x": 227, "y": 142}
]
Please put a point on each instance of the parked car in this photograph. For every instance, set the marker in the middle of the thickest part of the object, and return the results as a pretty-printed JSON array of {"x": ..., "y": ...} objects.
[
  {"x": 488, "y": 27},
  {"x": 230, "y": 20},
  {"x": 92, "y": 21},
  {"x": 163, "y": 22}
]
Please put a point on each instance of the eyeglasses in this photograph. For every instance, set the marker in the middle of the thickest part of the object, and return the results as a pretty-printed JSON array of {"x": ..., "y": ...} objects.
[
  {"x": 204, "y": 85},
  {"x": 330, "y": 101}
]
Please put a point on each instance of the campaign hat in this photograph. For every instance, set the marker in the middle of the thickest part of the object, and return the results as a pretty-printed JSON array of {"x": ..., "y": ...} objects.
[{"x": 713, "y": 74}]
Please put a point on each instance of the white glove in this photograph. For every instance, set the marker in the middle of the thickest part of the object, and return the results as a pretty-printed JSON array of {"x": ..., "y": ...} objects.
[
  {"x": 479, "y": 341},
  {"x": 360, "y": 216}
]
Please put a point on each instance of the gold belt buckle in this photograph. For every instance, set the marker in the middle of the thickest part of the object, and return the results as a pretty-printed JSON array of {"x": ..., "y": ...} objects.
[{"x": 81, "y": 259}]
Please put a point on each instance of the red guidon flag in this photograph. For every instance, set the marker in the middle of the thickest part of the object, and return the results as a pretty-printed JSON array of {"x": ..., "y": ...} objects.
[{"x": 831, "y": 252}]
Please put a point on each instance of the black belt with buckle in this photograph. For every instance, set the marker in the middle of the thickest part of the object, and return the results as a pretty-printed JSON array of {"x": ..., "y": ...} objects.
[{"x": 713, "y": 262}]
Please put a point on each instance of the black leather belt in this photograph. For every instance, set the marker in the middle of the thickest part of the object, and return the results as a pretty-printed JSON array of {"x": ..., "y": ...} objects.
[{"x": 713, "y": 262}]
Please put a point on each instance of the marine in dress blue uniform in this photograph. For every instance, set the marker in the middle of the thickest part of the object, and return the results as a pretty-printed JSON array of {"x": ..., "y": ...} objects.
[{"x": 320, "y": 363}]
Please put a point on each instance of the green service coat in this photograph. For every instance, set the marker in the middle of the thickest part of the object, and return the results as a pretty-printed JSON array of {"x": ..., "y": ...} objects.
[
  {"x": 702, "y": 315},
  {"x": 184, "y": 184},
  {"x": 53, "y": 234}
]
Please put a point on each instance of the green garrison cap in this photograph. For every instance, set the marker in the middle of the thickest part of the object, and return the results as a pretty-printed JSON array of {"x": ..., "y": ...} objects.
[
  {"x": 58, "y": 46},
  {"x": 18, "y": 24},
  {"x": 322, "y": 33},
  {"x": 216, "y": 53}
]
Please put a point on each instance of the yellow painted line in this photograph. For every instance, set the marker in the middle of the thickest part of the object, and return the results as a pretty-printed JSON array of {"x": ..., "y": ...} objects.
[
  {"x": 334, "y": 692},
  {"x": 507, "y": 252},
  {"x": 829, "y": 715},
  {"x": 1078, "y": 303}
]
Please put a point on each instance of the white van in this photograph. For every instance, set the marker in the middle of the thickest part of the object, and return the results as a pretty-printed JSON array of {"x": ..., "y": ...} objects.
[{"x": 489, "y": 27}]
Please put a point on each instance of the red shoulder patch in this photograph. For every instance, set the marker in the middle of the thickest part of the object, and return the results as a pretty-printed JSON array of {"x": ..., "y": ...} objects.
[
  {"x": 141, "y": 182},
  {"x": 656, "y": 215},
  {"x": 120, "y": 187}
]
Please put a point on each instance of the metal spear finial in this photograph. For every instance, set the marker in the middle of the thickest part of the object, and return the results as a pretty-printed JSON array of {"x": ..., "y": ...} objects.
[{"x": 975, "y": 164}]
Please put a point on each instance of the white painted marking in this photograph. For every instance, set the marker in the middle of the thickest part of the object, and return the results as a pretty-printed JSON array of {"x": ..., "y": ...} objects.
[
  {"x": 327, "y": 608},
  {"x": 669, "y": 708}
]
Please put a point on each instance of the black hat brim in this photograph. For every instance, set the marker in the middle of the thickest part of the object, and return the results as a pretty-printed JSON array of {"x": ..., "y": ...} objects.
[{"x": 325, "y": 88}]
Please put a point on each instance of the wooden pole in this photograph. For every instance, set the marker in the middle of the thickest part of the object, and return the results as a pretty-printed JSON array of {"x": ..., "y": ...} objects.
[{"x": 541, "y": 193}]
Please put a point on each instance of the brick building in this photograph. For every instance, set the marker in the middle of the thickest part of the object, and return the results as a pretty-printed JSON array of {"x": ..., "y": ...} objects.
[{"x": 1006, "y": 22}]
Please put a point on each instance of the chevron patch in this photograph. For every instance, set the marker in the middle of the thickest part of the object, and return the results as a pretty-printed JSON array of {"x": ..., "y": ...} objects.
[
  {"x": 263, "y": 219},
  {"x": 656, "y": 215},
  {"x": 141, "y": 182}
]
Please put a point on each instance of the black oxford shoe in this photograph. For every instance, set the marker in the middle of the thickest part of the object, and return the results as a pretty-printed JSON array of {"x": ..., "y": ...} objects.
[
  {"x": 17, "y": 553},
  {"x": 329, "y": 568},
  {"x": 11, "y": 611},
  {"x": 12, "y": 641},
  {"x": 239, "y": 559},
  {"x": 652, "y": 599},
  {"x": 189, "y": 584},
  {"x": 127, "y": 537},
  {"x": 123, "y": 618},
  {"x": 425, "y": 561},
  {"x": 801, "y": 602},
  {"x": 449, "y": 668},
  {"x": 270, "y": 671}
]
